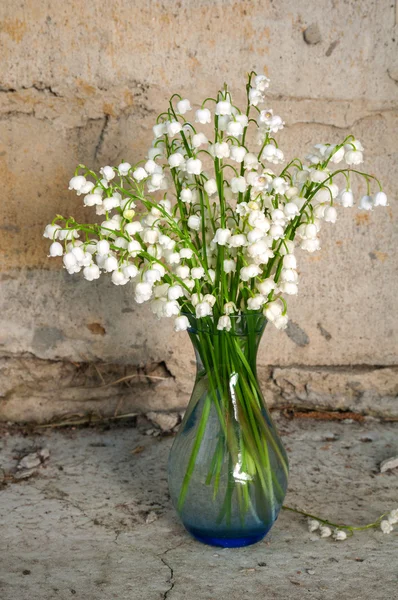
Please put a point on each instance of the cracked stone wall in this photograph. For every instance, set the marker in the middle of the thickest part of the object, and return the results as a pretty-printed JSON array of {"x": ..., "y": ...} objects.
[{"x": 82, "y": 82}]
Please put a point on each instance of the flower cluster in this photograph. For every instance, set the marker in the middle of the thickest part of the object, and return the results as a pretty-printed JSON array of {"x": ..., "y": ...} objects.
[
  {"x": 325, "y": 531},
  {"x": 204, "y": 225}
]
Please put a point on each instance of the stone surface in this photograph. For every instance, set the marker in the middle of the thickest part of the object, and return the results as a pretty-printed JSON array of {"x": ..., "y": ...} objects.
[
  {"x": 389, "y": 464},
  {"x": 166, "y": 421},
  {"x": 96, "y": 522},
  {"x": 83, "y": 83},
  {"x": 312, "y": 35},
  {"x": 30, "y": 461}
]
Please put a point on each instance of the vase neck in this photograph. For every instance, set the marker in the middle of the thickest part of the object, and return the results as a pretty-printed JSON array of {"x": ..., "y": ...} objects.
[{"x": 227, "y": 351}]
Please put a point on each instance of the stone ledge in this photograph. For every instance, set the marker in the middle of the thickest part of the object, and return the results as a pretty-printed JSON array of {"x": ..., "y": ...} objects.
[
  {"x": 364, "y": 390},
  {"x": 40, "y": 391}
]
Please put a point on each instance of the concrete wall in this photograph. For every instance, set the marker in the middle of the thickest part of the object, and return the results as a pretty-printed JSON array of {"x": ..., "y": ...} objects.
[{"x": 82, "y": 82}]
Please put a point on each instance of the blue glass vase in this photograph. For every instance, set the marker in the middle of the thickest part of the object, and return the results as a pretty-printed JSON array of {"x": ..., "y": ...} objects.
[{"x": 227, "y": 467}]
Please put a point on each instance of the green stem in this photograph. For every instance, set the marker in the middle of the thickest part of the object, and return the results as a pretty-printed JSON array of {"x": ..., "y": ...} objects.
[{"x": 337, "y": 525}]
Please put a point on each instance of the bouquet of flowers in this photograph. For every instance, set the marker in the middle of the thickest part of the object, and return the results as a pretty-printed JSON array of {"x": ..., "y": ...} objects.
[{"x": 206, "y": 230}]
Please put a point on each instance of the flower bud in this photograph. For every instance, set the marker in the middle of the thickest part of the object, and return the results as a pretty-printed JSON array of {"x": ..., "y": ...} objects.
[
  {"x": 140, "y": 174},
  {"x": 289, "y": 288},
  {"x": 266, "y": 286},
  {"x": 69, "y": 260},
  {"x": 171, "y": 308},
  {"x": 247, "y": 273},
  {"x": 50, "y": 231},
  {"x": 174, "y": 292},
  {"x": 224, "y": 323},
  {"x": 325, "y": 531},
  {"x": 151, "y": 276},
  {"x": 220, "y": 150},
  {"x": 143, "y": 292},
  {"x": 181, "y": 323},
  {"x": 276, "y": 232},
  {"x": 290, "y": 210},
  {"x": 194, "y": 222},
  {"x": 173, "y": 127},
  {"x": 221, "y": 237},
  {"x": 346, "y": 198},
  {"x": 56, "y": 249},
  {"x": 111, "y": 264},
  {"x": 223, "y": 108},
  {"x": 380, "y": 199},
  {"x": 250, "y": 161},
  {"x": 159, "y": 129},
  {"x": 176, "y": 160},
  {"x": 238, "y": 185},
  {"x": 91, "y": 272},
  {"x": 182, "y": 271},
  {"x": 203, "y": 309},
  {"x": 366, "y": 203},
  {"x": 229, "y": 265},
  {"x": 211, "y": 186},
  {"x": 234, "y": 128},
  {"x": 203, "y": 115},
  {"x": 311, "y": 231},
  {"x": 197, "y": 272},
  {"x": 289, "y": 275},
  {"x": 229, "y": 308},
  {"x": 194, "y": 166},
  {"x": 256, "y": 302},
  {"x": 130, "y": 271},
  {"x": 353, "y": 157},
  {"x": 150, "y": 236},
  {"x": 183, "y": 106},
  {"x": 237, "y": 153},
  {"x": 103, "y": 247},
  {"x": 186, "y": 195},
  {"x": 386, "y": 526},
  {"x": 134, "y": 247},
  {"x": 77, "y": 183},
  {"x": 150, "y": 167},
  {"x": 108, "y": 173},
  {"x": 133, "y": 228},
  {"x": 118, "y": 278},
  {"x": 289, "y": 261},
  {"x": 273, "y": 310},
  {"x": 124, "y": 169},
  {"x": 186, "y": 253},
  {"x": 330, "y": 214},
  {"x": 198, "y": 139},
  {"x": 313, "y": 525},
  {"x": 281, "y": 322},
  {"x": 237, "y": 241}
]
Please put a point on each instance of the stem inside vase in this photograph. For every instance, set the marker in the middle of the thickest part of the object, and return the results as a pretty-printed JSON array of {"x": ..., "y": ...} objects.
[{"x": 228, "y": 469}]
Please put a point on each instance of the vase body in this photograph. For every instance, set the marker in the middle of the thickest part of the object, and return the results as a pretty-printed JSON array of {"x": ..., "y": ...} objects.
[{"x": 227, "y": 466}]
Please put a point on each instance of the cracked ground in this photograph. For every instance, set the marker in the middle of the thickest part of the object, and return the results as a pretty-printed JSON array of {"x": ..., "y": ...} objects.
[{"x": 95, "y": 521}]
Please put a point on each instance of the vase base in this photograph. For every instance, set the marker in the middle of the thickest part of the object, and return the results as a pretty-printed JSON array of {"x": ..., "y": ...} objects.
[{"x": 226, "y": 542}]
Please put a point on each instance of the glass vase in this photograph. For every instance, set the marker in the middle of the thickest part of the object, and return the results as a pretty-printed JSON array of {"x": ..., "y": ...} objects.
[{"x": 228, "y": 468}]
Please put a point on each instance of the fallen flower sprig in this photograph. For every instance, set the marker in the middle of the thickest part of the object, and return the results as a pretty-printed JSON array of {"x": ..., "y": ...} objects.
[{"x": 340, "y": 532}]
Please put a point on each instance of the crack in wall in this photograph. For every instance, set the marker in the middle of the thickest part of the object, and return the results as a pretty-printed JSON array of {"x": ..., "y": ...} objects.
[
  {"x": 393, "y": 76},
  {"x": 101, "y": 137},
  {"x": 39, "y": 87}
]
